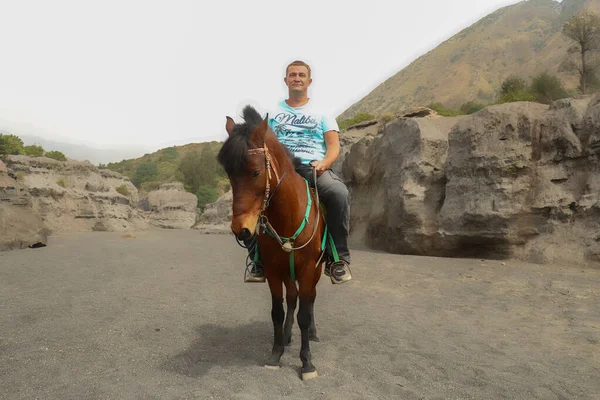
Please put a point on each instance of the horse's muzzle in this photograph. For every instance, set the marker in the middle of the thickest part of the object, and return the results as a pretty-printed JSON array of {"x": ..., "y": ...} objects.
[
  {"x": 244, "y": 234},
  {"x": 243, "y": 226}
]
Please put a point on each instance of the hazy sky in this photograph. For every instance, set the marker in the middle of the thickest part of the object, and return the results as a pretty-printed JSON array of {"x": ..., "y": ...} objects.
[{"x": 149, "y": 72}]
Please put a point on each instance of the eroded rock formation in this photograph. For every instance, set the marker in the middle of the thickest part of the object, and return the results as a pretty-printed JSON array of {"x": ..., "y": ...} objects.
[{"x": 514, "y": 180}]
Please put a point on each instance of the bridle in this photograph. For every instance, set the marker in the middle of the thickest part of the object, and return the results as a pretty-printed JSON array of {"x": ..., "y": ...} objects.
[
  {"x": 269, "y": 166},
  {"x": 263, "y": 222}
]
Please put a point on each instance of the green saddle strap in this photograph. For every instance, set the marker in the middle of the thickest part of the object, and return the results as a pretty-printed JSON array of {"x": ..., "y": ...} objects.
[{"x": 326, "y": 238}]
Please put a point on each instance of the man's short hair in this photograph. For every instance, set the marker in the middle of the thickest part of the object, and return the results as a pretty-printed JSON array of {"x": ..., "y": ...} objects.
[{"x": 299, "y": 64}]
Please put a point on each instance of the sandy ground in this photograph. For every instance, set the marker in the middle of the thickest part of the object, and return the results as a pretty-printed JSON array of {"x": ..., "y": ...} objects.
[{"x": 165, "y": 315}]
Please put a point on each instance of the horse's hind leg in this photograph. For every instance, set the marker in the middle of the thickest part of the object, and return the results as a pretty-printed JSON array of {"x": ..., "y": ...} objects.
[
  {"x": 312, "y": 329},
  {"x": 291, "y": 296},
  {"x": 277, "y": 315}
]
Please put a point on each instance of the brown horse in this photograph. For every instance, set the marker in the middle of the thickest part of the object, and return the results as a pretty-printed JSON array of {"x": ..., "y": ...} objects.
[{"x": 273, "y": 202}]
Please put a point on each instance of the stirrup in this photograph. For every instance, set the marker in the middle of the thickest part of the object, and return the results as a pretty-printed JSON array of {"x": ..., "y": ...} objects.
[{"x": 249, "y": 276}]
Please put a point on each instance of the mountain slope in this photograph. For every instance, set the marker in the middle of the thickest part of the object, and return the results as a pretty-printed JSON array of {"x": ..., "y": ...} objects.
[{"x": 523, "y": 39}]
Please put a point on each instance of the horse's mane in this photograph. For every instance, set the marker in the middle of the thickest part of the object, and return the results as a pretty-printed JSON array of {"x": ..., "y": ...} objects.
[{"x": 232, "y": 155}]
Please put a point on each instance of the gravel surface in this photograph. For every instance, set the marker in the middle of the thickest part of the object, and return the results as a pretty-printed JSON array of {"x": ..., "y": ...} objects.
[{"x": 166, "y": 315}]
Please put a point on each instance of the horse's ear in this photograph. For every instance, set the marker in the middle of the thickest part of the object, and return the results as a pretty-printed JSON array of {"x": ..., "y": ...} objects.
[
  {"x": 261, "y": 130},
  {"x": 229, "y": 125}
]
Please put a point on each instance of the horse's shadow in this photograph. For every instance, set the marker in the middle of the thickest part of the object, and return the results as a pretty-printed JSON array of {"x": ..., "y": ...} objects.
[{"x": 215, "y": 345}]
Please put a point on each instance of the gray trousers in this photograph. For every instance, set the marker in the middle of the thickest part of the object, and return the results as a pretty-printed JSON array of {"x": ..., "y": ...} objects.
[{"x": 334, "y": 195}]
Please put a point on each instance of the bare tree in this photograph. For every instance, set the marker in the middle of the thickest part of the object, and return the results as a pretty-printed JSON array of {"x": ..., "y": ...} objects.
[{"x": 584, "y": 29}]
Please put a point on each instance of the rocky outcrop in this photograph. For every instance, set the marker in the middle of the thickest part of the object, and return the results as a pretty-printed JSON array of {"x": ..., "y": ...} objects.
[
  {"x": 171, "y": 206},
  {"x": 514, "y": 180},
  {"x": 40, "y": 195},
  {"x": 397, "y": 184},
  {"x": 490, "y": 172},
  {"x": 76, "y": 196},
  {"x": 216, "y": 217},
  {"x": 20, "y": 225}
]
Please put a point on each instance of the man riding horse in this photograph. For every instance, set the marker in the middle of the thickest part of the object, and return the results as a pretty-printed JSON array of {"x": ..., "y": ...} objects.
[{"x": 313, "y": 137}]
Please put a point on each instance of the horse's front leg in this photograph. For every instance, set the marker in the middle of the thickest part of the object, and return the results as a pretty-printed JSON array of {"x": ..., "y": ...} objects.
[
  {"x": 277, "y": 315},
  {"x": 304, "y": 320},
  {"x": 291, "y": 296}
]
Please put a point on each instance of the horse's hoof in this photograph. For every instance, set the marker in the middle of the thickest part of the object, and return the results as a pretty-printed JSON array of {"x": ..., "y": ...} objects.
[
  {"x": 309, "y": 375},
  {"x": 313, "y": 338},
  {"x": 273, "y": 367},
  {"x": 288, "y": 342}
]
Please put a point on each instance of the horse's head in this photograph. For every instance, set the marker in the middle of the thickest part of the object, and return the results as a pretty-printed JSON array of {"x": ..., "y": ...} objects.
[{"x": 244, "y": 158}]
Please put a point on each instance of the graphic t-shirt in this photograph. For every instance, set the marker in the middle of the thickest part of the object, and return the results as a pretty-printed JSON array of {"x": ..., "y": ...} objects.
[{"x": 302, "y": 130}]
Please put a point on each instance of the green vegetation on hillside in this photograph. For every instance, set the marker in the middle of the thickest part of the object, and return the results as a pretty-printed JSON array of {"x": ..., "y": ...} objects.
[
  {"x": 442, "y": 110},
  {"x": 543, "y": 88},
  {"x": 362, "y": 117},
  {"x": 195, "y": 165},
  {"x": 469, "y": 107},
  {"x": 13, "y": 145}
]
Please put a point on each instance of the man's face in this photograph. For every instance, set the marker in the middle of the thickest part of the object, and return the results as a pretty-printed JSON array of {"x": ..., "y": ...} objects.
[{"x": 297, "y": 79}]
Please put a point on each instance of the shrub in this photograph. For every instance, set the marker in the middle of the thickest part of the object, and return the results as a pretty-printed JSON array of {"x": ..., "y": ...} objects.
[
  {"x": 512, "y": 84},
  {"x": 547, "y": 88},
  {"x": 206, "y": 195},
  {"x": 56, "y": 155},
  {"x": 61, "y": 182},
  {"x": 514, "y": 88},
  {"x": 33, "y": 151},
  {"x": 387, "y": 117},
  {"x": 10, "y": 144},
  {"x": 145, "y": 172},
  {"x": 123, "y": 190}
]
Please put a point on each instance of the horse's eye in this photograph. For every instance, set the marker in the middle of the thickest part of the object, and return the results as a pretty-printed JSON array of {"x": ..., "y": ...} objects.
[{"x": 256, "y": 173}]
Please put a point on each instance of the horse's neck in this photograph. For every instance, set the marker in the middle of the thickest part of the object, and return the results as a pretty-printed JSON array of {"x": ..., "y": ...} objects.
[{"x": 288, "y": 204}]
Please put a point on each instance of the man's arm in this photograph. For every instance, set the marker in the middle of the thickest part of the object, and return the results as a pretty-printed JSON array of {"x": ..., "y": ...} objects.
[{"x": 332, "y": 143}]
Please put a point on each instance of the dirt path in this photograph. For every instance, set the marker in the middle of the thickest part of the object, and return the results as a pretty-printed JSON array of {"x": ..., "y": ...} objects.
[{"x": 166, "y": 315}]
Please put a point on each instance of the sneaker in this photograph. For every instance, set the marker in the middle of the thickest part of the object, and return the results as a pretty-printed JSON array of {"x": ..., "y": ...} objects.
[
  {"x": 338, "y": 272},
  {"x": 256, "y": 272}
]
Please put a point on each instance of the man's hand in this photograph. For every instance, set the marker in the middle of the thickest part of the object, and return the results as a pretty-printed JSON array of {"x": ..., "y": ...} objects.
[{"x": 321, "y": 166}]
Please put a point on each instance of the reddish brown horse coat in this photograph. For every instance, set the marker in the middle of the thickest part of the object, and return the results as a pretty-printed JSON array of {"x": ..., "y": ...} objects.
[{"x": 248, "y": 170}]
